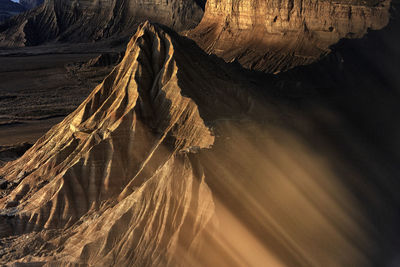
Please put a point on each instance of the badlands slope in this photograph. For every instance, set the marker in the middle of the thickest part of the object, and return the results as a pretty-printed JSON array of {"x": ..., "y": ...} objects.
[{"x": 179, "y": 159}]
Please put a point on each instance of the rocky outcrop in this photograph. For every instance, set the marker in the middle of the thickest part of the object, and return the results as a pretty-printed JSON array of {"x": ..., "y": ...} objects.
[
  {"x": 126, "y": 155},
  {"x": 274, "y": 36},
  {"x": 29, "y": 4},
  {"x": 179, "y": 159},
  {"x": 8, "y": 9},
  {"x": 85, "y": 21}
]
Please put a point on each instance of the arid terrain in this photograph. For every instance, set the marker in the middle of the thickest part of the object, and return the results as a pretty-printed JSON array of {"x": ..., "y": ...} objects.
[
  {"x": 200, "y": 133},
  {"x": 55, "y": 81}
]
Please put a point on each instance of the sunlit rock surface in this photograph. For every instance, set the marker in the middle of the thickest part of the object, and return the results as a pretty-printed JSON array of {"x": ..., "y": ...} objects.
[
  {"x": 276, "y": 35},
  {"x": 88, "y": 20},
  {"x": 179, "y": 159},
  {"x": 119, "y": 169}
]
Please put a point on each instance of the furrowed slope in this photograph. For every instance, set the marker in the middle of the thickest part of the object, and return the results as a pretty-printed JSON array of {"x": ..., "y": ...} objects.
[
  {"x": 125, "y": 154},
  {"x": 179, "y": 159}
]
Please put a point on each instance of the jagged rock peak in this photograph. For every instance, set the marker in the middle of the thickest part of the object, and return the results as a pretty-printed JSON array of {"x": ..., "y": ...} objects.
[
  {"x": 276, "y": 35},
  {"x": 140, "y": 97},
  {"x": 82, "y": 20},
  {"x": 124, "y": 154}
]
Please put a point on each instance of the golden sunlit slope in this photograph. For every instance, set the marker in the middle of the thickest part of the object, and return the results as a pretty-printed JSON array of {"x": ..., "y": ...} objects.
[
  {"x": 124, "y": 153},
  {"x": 179, "y": 159}
]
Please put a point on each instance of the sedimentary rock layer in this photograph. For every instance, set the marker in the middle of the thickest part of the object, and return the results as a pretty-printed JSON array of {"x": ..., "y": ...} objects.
[
  {"x": 86, "y": 20},
  {"x": 179, "y": 159},
  {"x": 125, "y": 153},
  {"x": 274, "y": 35}
]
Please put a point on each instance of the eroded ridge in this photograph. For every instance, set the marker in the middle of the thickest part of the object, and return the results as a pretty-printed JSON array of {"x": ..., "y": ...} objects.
[
  {"x": 124, "y": 150},
  {"x": 180, "y": 159}
]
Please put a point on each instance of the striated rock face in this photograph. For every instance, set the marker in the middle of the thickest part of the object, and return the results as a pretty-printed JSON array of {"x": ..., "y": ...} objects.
[
  {"x": 85, "y": 20},
  {"x": 8, "y": 9},
  {"x": 277, "y": 35},
  {"x": 29, "y": 4},
  {"x": 120, "y": 170},
  {"x": 179, "y": 159}
]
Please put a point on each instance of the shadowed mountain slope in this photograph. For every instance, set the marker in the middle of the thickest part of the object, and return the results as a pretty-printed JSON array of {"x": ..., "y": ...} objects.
[
  {"x": 179, "y": 159},
  {"x": 85, "y": 20},
  {"x": 274, "y": 36}
]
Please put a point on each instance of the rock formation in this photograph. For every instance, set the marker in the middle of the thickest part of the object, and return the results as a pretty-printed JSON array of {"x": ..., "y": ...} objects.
[
  {"x": 274, "y": 35},
  {"x": 85, "y": 21},
  {"x": 29, "y": 4},
  {"x": 8, "y": 9},
  {"x": 127, "y": 152},
  {"x": 179, "y": 159}
]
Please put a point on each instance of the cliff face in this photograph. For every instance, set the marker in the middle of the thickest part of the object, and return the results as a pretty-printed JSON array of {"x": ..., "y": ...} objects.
[
  {"x": 179, "y": 159},
  {"x": 8, "y": 9},
  {"x": 83, "y": 20},
  {"x": 277, "y": 35}
]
